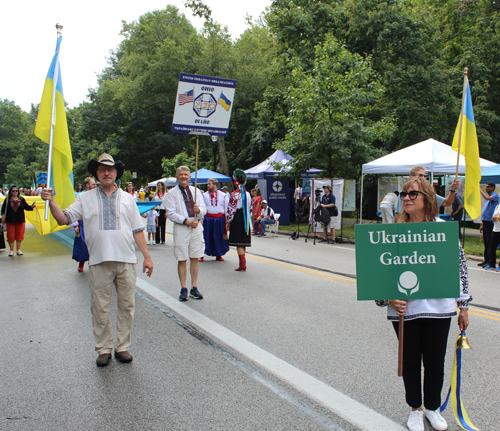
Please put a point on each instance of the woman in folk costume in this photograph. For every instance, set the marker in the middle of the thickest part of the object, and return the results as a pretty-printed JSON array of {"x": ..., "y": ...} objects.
[{"x": 238, "y": 218}]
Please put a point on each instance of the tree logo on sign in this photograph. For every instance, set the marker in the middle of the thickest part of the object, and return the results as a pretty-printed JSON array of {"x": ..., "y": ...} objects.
[
  {"x": 408, "y": 283},
  {"x": 277, "y": 186}
]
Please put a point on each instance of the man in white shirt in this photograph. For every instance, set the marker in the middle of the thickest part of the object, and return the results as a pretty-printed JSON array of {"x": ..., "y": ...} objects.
[
  {"x": 214, "y": 222},
  {"x": 388, "y": 205},
  {"x": 266, "y": 217},
  {"x": 185, "y": 205},
  {"x": 113, "y": 226}
]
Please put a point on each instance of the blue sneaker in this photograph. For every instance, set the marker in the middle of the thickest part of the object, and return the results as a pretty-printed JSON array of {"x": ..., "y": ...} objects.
[
  {"x": 184, "y": 294},
  {"x": 498, "y": 269},
  {"x": 195, "y": 293},
  {"x": 488, "y": 267}
]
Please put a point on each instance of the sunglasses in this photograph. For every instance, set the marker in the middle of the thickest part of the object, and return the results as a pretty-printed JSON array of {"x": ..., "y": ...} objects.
[
  {"x": 14, "y": 190},
  {"x": 411, "y": 195}
]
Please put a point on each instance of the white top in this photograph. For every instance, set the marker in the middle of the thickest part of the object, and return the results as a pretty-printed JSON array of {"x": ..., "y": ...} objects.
[
  {"x": 436, "y": 307},
  {"x": 110, "y": 224},
  {"x": 176, "y": 207},
  {"x": 216, "y": 204},
  {"x": 157, "y": 198},
  {"x": 267, "y": 212},
  {"x": 390, "y": 201},
  {"x": 496, "y": 224},
  {"x": 152, "y": 214}
]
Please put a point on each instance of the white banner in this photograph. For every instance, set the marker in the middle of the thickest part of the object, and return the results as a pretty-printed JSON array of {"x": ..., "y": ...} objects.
[{"x": 203, "y": 105}]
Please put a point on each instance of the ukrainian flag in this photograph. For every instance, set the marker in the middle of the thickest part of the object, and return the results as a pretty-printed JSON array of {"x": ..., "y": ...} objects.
[
  {"x": 224, "y": 102},
  {"x": 469, "y": 148},
  {"x": 52, "y": 112}
]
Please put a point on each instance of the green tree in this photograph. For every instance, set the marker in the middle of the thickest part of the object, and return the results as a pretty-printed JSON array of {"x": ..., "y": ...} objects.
[
  {"x": 170, "y": 166},
  {"x": 334, "y": 119}
]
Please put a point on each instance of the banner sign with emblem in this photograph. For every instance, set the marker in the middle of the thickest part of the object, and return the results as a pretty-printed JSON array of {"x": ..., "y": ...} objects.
[
  {"x": 278, "y": 197},
  {"x": 203, "y": 105},
  {"x": 407, "y": 261}
]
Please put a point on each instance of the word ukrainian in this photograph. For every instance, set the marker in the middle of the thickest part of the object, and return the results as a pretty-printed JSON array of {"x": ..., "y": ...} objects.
[{"x": 380, "y": 237}]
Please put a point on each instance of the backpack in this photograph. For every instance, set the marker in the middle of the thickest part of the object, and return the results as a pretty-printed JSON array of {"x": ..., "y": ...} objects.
[{"x": 322, "y": 215}]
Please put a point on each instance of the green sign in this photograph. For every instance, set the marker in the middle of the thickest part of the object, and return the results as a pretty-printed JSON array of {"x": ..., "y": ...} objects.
[{"x": 407, "y": 261}]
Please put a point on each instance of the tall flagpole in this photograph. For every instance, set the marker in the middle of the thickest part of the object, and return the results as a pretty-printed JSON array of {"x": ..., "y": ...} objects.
[
  {"x": 55, "y": 79},
  {"x": 460, "y": 120}
]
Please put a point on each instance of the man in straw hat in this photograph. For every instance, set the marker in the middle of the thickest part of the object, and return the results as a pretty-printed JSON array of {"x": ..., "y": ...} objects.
[
  {"x": 185, "y": 206},
  {"x": 113, "y": 226}
]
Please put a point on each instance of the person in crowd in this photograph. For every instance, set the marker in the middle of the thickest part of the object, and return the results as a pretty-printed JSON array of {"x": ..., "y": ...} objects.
[
  {"x": 13, "y": 208},
  {"x": 80, "y": 250},
  {"x": 89, "y": 183},
  {"x": 495, "y": 240},
  {"x": 266, "y": 217},
  {"x": 491, "y": 202},
  {"x": 38, "y": 191},
  {"x": 129, "y": 188},
  {"x": 419, "y": 171},
  {"x": 152, "y": 225},
  {"x": 21, "y": 191},
  {"x": 141, "y": 196},
  {"x": 297, "y": 195},
  {"x": 162, "y": 212},
  {"x": 113, "y": 226},
  {"x": 328, "y": 202},
  {"x": 79, "y": 188},
  {"x": 214, "y": 222},
  {"x": 388, "y": 205},
  {"x": 252, "y": 203},
  {"x": 457, "y": 212},
  {"x": 238, "y": 218},
  {"x": 427, "y": 321},
  {"x": 185, "y": 205},
  {"x": 226, "y": 192},
  {"x": 257, "y": 209}
]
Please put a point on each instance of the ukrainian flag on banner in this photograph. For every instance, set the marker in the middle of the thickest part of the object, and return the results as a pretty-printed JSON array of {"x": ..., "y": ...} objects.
[
  {"x": 469, "y": 148},
  {"x": 224, "y": 102},
  {"x": 62, "y": 161}
]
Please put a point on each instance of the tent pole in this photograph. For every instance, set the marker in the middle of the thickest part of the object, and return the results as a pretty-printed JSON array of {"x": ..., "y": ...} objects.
[{"x": 361, "y": 203}]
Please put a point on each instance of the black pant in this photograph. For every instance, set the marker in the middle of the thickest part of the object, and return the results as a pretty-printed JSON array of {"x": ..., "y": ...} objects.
[
  {"x": 495, "y": 239},
  {"x": 458, "y": 217},
  {"x": 160, "y": 229},
  {"x": 487, "y": 231},
  {"x": 425, "y": 340}
]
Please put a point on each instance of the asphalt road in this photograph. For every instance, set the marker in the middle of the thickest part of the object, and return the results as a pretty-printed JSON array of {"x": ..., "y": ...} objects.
[{"x": 282, "y": 346}]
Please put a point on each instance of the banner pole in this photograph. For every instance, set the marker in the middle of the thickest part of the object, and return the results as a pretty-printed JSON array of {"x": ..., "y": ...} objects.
[
  {"x": 466, "y": 70},
  {"x": 401, "y": 344},
  {"x": 196, "y": 174}
]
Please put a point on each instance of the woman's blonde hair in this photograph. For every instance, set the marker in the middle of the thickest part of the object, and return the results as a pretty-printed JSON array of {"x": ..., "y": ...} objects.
[{"x": 431, "y": 208}]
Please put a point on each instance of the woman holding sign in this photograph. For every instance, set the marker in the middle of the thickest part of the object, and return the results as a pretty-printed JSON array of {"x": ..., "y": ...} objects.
[{"x": 426, "y": 321}]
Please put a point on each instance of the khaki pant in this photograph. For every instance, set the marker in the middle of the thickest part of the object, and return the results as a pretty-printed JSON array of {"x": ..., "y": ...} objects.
[{"x": 102, "y": 277}]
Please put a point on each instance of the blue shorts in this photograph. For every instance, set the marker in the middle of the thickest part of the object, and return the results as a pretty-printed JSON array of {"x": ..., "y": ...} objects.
[{"x": 151, "y": 228}]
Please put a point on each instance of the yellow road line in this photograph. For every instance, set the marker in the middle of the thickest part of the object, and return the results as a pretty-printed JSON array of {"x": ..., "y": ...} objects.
[{"x": 484, "y": 311}]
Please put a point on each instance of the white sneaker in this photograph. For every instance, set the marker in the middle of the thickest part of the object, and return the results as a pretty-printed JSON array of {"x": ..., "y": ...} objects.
[
  {"x": 437, "y": 421},
  {"x": 19, "y": 252},
  {"x": 11, "y": 253},
  {"x": 416, "y": 420}
]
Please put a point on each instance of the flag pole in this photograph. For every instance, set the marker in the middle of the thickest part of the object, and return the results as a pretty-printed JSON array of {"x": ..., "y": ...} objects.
[
  {"x": 460, "y": 121},
  {"x": 196, "y": 174},
  {"x": 52, "y": 122}
]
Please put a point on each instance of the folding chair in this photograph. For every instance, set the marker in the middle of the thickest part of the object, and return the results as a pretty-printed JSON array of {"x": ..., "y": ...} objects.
[{"x": 273, "y": 228}]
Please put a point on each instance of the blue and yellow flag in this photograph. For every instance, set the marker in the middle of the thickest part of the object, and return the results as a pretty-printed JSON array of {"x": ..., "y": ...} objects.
[
  {"x": 224, "y": 102},
  {"x": 52, "y": 112},
  {"x": 469, "y": 148}
]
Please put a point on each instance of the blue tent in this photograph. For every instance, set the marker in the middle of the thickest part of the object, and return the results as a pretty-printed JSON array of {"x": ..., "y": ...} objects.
[
  {"x": 491, "y": 175},
  {"x": 204, "y": 175}
]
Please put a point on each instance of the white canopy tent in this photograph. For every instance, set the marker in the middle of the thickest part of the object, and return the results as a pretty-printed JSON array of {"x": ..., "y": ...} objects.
[
  {"x": 169, "y": 182},
  {"x": 434, "y": 156}
]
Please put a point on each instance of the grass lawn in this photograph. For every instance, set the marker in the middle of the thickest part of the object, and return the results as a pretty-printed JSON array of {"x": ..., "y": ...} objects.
[{"x": 473, "y": 245}]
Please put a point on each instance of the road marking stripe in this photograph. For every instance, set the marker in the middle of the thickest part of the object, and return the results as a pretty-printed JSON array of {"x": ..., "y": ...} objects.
[
  {"x": 484, "y": 311},
  {"x": 482, "y": 315},
  {"x": 347, "y": 408}
]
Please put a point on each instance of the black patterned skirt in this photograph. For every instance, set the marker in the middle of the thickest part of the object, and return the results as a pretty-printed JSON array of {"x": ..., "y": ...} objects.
[{"x": 237, "y": 234}]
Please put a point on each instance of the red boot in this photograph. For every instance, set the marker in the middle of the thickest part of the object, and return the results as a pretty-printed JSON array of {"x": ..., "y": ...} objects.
[
  {"x": 80, "y": 266},
  {"x": 243, "y": 263}
]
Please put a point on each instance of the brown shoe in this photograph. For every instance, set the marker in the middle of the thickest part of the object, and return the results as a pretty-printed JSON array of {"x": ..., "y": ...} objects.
[
  {"x": 103, "y": 359},
  {"x": 123, "y": 357}
]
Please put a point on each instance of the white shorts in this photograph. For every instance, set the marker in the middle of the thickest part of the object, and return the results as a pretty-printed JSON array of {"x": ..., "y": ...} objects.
[
  {"x": 188, "y": 242},
  {"x": 331, "y": 225}
]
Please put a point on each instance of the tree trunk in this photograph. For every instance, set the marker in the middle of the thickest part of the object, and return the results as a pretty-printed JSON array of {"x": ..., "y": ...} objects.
[{"x": 222, "y": 165}]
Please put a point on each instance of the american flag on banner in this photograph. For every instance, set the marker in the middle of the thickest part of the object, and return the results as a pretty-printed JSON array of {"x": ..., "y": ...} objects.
[{"x": 186, "y": 97}]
